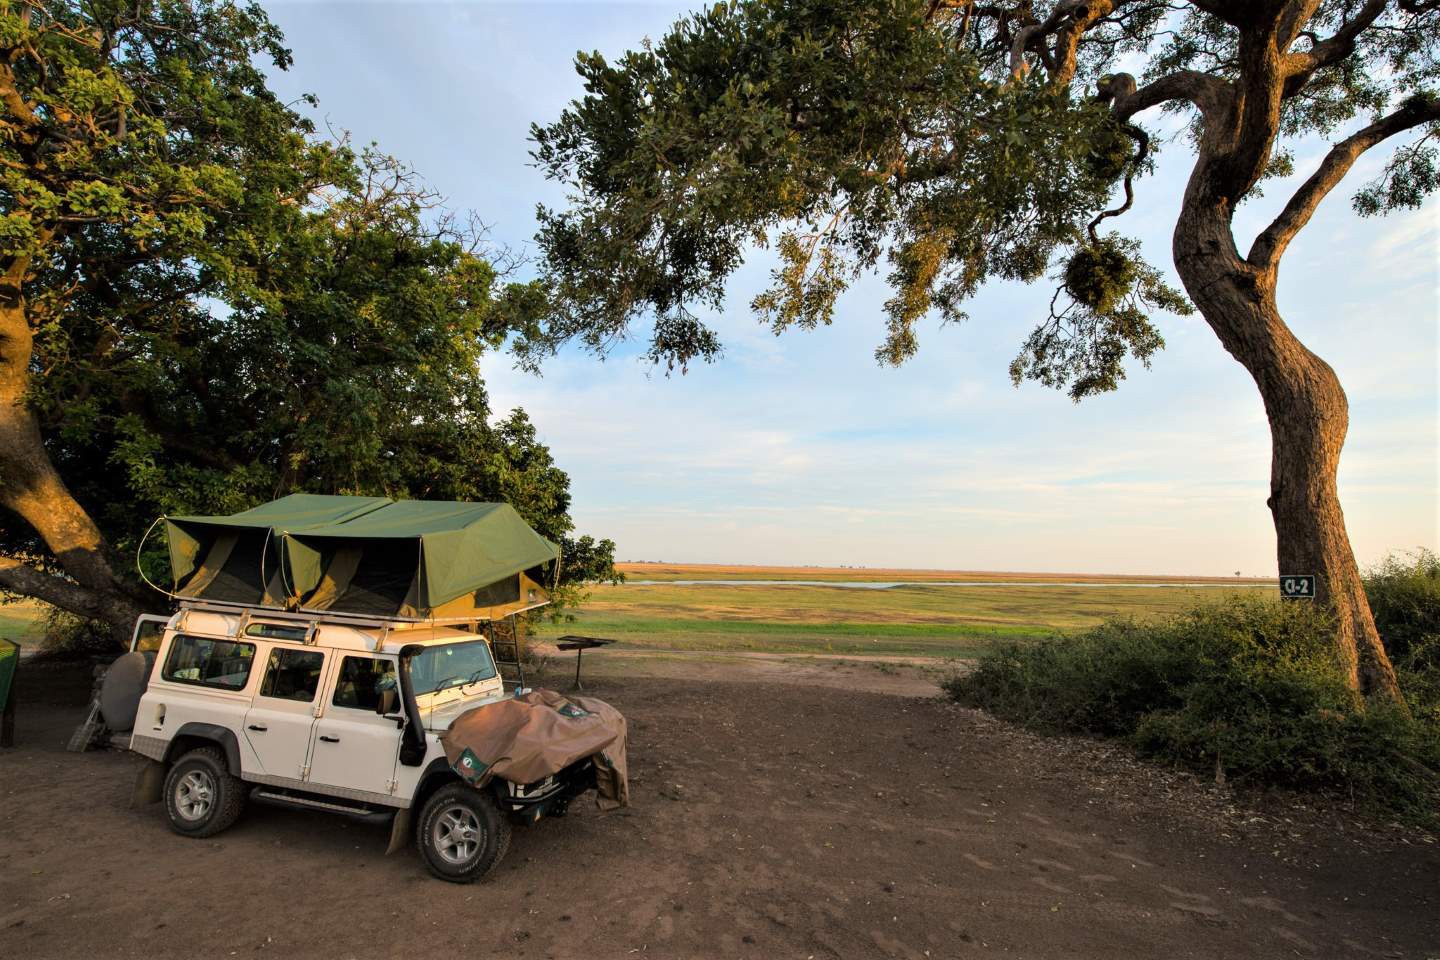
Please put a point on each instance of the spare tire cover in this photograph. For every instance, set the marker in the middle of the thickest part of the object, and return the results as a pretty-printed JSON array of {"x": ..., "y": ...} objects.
[{"x": 122, "y": 688}]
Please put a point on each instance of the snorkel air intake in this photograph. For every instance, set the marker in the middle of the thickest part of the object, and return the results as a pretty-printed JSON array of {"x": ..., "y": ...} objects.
[{"x": 412, "y": 742}]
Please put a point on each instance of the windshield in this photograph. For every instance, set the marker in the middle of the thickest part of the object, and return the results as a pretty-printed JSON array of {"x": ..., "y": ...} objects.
[{"x": 453, "y": 665}]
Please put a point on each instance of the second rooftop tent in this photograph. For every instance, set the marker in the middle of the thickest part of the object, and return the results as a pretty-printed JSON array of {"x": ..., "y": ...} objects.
[
  {"x": 423, "y": 559},
  {"x": 412, "y": 559}
]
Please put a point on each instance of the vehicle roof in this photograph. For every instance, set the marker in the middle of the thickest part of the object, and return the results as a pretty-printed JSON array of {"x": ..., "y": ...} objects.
[{"x": 370, "y": 637}]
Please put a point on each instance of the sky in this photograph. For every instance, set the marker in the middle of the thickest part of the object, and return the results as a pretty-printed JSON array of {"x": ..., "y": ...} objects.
[{"x": 800, "y": 449}]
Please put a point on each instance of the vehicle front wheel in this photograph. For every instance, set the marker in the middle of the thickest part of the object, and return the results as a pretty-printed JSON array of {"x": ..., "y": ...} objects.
[
  {"x": 461, "y": 834},
  {"x": 201, "y": 797}
]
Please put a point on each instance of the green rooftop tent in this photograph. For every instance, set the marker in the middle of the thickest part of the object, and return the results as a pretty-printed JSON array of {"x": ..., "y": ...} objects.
[
  {"x": 423, "y": 559},
  {"x": 236, "y": 558},
  {"x": 411, "y": 559}
]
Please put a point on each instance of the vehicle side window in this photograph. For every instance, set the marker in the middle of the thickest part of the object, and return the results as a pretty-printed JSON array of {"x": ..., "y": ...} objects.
[
  {"x": 224, "y": 664},
  {"x": 361, "y": 680},
  {"x": 149, "y": 634},
  {"x": 292, "y": 674}
]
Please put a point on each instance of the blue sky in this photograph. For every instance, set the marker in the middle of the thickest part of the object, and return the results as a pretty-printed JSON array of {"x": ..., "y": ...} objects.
[{"x": 800, "y": 449}]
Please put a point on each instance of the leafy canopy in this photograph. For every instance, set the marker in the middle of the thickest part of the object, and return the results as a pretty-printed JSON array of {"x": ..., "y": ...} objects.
[
  {"x": 959, "y": 142},
  {"x": 225, "y": 308}
]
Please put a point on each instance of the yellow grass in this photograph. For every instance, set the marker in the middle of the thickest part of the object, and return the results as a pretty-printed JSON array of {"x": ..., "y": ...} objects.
[{"x": 920, "y": 620}]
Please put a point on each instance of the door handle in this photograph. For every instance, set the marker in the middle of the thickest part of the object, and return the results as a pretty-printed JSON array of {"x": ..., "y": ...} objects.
[
  {"x": 329, "y": 739},
  {"x": 259, "y": 728}
]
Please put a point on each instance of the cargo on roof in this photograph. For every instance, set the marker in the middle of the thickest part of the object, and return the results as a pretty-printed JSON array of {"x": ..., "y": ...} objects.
[{"x": 408, "y": 559}]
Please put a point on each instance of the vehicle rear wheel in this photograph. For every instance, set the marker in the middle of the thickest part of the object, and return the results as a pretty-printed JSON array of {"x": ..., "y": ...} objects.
[
  {"x": 461, "y": 834},
  {"x": 201, "y": 797}
]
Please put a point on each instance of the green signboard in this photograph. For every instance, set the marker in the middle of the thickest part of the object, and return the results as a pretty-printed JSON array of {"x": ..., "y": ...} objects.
[
  {"x": 1298, "y": 586},
  {"x": 9, "y": 661}
]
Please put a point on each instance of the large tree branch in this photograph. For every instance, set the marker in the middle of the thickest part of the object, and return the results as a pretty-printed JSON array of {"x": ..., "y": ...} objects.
[
  {"x": 17, "y": 576},
  {"x": 1271, "y": 243},
  {"x": 1301, "y": 66},
  {"x": 1209, "y": 94},
  {"x": 1240, "y": 147},
  {"x": 1239, "y": 13},
  {"x": 1071, "y": 20},
  {"x": 1293, "y": 17}
]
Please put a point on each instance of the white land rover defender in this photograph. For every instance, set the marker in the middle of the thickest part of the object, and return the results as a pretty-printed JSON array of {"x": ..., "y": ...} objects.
[
  {"x": 335, "y": 716},
  {"x": 328, "y": 685}
]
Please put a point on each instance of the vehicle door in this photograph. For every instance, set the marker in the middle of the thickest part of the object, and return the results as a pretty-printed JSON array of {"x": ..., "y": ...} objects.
[
  {"x": 354, "y": 747},
  {"x": 281, "y": 718}
]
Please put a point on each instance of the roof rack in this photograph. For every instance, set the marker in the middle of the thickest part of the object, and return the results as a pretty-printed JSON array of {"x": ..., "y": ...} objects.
[
  {"x": 504, "y": 639},
  {"x": 249, "y": 611}
]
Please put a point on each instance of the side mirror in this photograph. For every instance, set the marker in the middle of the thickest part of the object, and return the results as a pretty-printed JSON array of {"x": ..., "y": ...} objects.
[{"x": 388, "y": 702}]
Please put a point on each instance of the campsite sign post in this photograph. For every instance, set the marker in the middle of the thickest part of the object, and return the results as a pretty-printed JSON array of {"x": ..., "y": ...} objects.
[{"x": 1297, "y": 587}]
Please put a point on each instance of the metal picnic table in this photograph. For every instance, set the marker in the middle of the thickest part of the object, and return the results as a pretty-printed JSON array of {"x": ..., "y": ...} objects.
[{"x": 580, "y": 645}]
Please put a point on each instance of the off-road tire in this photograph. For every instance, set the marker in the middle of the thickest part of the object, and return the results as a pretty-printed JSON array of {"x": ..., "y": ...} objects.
[
  {"x": 491, "y": 833},
  {"x": 203, "y": 768}
]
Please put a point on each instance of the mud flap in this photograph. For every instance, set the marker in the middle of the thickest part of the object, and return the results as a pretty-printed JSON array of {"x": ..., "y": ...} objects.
[
  {"x": 399, "y": 831},
  {"x": 149, "y": 784}
]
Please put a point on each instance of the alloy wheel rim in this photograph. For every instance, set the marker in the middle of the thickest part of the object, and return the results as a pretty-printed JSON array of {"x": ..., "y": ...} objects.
[
  {"x": 457, "y": 834},
  {"x": 194, "y": 794}
]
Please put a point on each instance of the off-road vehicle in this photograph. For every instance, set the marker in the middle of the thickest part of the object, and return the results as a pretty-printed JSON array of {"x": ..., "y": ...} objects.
[{"x": 334, "y": 696}]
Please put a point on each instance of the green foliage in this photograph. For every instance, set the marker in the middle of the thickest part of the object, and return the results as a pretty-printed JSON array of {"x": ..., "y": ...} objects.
[
  {"x": 1083, "y": 346},
  {"x": 1404, "y": 595},
  {"x": 1100, "y": 275},
  {"x": 1250, "y": 686},
  {"x": 847, "y": 132},
  {"x": 843, "y": 131},
  {"x": 226, "y": 309},
  {"x": 1410, "y": 175}
]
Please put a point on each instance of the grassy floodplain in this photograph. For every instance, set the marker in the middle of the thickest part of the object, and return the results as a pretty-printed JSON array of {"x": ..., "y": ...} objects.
[
  {"x": 776, "y": 614},
  {"x": 919, "y": 619}
]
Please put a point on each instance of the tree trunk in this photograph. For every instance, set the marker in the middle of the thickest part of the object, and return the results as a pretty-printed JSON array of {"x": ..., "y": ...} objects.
[
  {"x": 1308, "y": 416},
  {"x": 30, "y": 486}
]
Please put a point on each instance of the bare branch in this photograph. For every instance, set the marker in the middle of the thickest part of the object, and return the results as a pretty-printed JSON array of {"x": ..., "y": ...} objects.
[
  {"x": 1268, "y": 247},
  {"x": 1142, "y": 150}
]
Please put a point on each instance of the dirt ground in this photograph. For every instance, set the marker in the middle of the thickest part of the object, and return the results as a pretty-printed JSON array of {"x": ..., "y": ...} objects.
[{"x": 769, "y": 820}]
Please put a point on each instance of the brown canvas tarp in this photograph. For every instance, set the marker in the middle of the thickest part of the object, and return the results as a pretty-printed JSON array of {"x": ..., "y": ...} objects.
[{"x": 530, "y": 737}]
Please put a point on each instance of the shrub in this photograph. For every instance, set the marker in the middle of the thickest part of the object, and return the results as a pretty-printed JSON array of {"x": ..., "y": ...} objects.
[
  {"x": 1404, "y": 593},
  {"x": 68, "y": 637},
  {"x": 1247, "y": 684}
]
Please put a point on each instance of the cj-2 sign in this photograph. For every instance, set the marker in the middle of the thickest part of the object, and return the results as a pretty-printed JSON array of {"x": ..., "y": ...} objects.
[{"x": 1298, "y": 586}]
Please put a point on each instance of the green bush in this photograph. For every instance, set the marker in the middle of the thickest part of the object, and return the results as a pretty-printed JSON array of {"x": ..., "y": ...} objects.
[
  {"x": 1404, "y": 593},
  {"x": 68, "y": 637},
  {"x": 1251, "y": 685}
]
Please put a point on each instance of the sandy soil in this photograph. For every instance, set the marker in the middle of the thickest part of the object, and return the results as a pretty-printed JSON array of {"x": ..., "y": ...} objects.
[
  {"x": 769, "y": 820},
  {"x": 903, "y": 676}
]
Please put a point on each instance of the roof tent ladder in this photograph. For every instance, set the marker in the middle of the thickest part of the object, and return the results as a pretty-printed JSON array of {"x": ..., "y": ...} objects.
[{"x": 498, "y": 642}]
